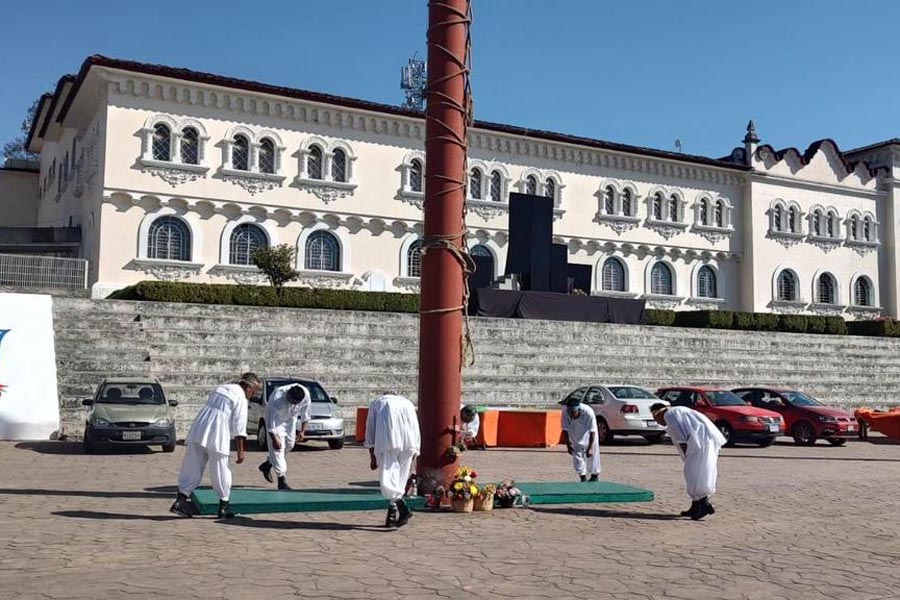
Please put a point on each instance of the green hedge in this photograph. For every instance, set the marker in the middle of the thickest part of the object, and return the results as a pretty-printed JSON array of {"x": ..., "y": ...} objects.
[
  {"x": 874, "y": 328},
  {"x": 747, "y": 321},
  {"x": 664, "y": 318},
  {"x": 252, "y": 295}
]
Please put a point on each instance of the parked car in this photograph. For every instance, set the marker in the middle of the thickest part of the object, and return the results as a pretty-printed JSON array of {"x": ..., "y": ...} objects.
[
  {"x": 737, "y": 421},
  {"x": 806, "y": 419},
  {"x": 621, "y": 410},
  {"x": 326, "y": 418},
  {"x": 129, "y": 412}
]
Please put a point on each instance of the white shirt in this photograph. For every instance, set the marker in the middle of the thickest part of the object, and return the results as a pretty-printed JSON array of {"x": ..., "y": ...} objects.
[
  {"x": 579, "y": 428},
  {"x": 223, "y": 417},
  {"x": 281, "y": 415},
  {"x": 687, "y": 426},
  {"x": 392, "y": 426},
  {"x": 470, "y": 430}
]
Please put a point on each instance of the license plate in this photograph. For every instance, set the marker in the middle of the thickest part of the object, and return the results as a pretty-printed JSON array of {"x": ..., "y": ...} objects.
[
  {"x": 774, "y": 427},
  {"x": 649, "y": 423},
  {"x": 131, "y": 435},
  {"x": 313, "y": 426}
]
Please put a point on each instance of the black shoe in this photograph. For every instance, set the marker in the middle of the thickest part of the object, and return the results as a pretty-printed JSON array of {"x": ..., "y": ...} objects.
[
  {"x": 691, "y": 510},
  {"x": 594, "y": 477},
  {"x": 403, "y": 513},
  {"x": 225, "y": 510},
  {"x": 583, "y": 477},
  {"x": 391, "y": 518},
  {"x": 703, "y": 509},
  {"x": 183, "y": 507},
  {"x": 266, "y": 469},
  {"x": 283, "y": 484}
]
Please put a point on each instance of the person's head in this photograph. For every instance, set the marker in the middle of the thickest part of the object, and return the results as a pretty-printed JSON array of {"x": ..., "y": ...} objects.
[
  {"x": 250, "y": 383},
  {"x": 467, "y": 414},
  {"x": 658, "y": 410},
  {"x": 573, "y": 406},
  {"x": 296, "y": 394}
]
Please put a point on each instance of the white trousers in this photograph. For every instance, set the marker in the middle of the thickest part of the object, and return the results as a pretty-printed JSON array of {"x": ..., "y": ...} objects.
[
  {"x": 701, "y": 470},
  {"x": 393, "y": 469},
  {"x": 583, "y": 463},
  {"x": 277, "y": 457},
  {"x": 193, "y": 465}
]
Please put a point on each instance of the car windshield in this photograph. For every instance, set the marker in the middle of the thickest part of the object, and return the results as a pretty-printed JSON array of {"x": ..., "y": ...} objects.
[
  {"x": 315, "y": 390},
  {"x": 131, "y": 393},
  {"x": 724, "y": 399},
  {"x": 629, "y": 392},
  {"x": 799, "y": 399}
]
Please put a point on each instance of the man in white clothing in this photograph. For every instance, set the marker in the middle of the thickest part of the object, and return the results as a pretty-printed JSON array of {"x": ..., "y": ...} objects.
[
  {"x": 698, "y": 442},
  {"x": 470, "y": 425},
  {"x": 393, "y": 440},
  {"x": 288, "y": 406},
  {"x": 579, "y": 426},
  {"x": 223, "y": 418}
]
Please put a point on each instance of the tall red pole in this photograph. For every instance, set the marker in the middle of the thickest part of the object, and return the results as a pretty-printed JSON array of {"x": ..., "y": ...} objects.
[{"x": 441, "y": 297}]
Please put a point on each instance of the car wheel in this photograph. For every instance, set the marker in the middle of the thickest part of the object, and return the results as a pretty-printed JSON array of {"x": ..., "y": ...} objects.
[
  {"x": 727, "y": 431},
  {"x": 766, "y": 442},
  {"x": 836, "y": 442},
  {"x": 169, "y": 447},
  {"x": 336, "y": 444},
  {"x": 656, "y": 438},
  {"x": 88, "y": 447},
  {"x": 604, "y": 435},
  {"x": 262, "y": 437},
  {"x": 804, "y": 434}
]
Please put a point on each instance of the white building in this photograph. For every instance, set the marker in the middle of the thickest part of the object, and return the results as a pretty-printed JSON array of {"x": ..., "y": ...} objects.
[{"x": 177, "y": 175}]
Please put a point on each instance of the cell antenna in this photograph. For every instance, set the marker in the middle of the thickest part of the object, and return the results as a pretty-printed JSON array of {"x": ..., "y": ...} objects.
[{"x": 413, "y": 79}]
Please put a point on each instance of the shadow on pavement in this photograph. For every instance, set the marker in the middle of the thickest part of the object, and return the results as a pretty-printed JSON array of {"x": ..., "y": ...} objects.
[
  {"x": 106, "y": 516},
  {"x": 367, "y": 484},
  {"x": 78, "y": 493},
  {"x": 67, "y": 448},
  {"x": 608, "y": 513},
  {"x": 240, "y": 521}
]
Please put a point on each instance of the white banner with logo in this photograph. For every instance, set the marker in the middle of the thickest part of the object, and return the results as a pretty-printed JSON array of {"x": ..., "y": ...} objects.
[{"x": 29, "y": 403}]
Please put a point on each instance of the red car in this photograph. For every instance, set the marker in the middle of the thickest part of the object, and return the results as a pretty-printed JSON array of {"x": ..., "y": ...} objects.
[
  {"x": 806, "y": 418},
  {"x": 737, "y": 421}
]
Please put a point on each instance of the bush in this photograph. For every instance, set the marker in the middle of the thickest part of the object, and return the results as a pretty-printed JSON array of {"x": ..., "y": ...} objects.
[
  {"x": 663, "y": 318},
  {"x": 252, "y": 295},
  {"x": 874, "y": 328},
  {"x": 792, "y": 323},
  {"x": 836, "y": 325},
  {"x": 816, "y": 324},
  {"x": 709, "y": 319},
  {"x": 743, "y": 320},
  {"x": 766, "y": 322}
]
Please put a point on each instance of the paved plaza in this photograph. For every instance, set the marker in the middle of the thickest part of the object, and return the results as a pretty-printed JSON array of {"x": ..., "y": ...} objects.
[{"x": 792, "y": 523}]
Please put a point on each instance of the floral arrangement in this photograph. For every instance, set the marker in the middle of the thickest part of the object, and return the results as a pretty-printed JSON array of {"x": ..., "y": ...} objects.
[
  {"x": 434, "y": 500},
  {"x": 463, "y": 485},
  {"x": 507, "y": 494},
  {"x": 486, "y": 491}
]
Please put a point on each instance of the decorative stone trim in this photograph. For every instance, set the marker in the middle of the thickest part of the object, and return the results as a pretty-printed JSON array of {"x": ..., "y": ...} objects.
[
  {"x": 707, "y": 303},
  {"x": 613, "y": 294},
  {"x": 417, "y": 199},
  {"x": 244, "y": 274},
  {"x": 326, "y": 191},
  {"x": 785, "y": 238},
  {"x": 171, "y": 172},
  {"x": 324, "y": 279},
  {"x": 662, "y": 301},
  {"x": 820, "y": 308},
  {"x": 485, "y": 209},
  {"x": 410, "y": 284},
  {"x": 667, "y": 229},
  {"x": 864, "y": 313},
  {"x": 827, "y": 244},
  {"x": 618, "y": 223},
  {"x": 166, "y": 270},
  {"x": 862, "y": 247},
  {"x": 712, "y": 233},
  {"x": 788, "y": 307},
  {"x": 254, "y": 183}
]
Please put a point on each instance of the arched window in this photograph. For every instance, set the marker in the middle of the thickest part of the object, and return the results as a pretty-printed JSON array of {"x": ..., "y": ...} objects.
[
  {"x": 854, "y": 227},
  {"x": 169, "y": 239},
  {"x": 673, "y": 209},
  {"x": 609, "y": 200},
  {"x": 829, "y": 224},
  {"x": 825, "y": 294},
  {"x": 339, "y": 165},
  {"x": 414, "y": 259},
  {"x": 613, "y": 276},
  {"x": 661, "y": 279},
  {"x": 475, "y": 184},
  {"x": 704, "y": 212},
  {"x": 792, "y": 220},
  {"x": 787, "y": 286},
  {"x": 245, "y": 240},
  {"x": 550, "y": 188},
  {"x": 776, "y": 218},
  {"x": 862, "y": 292},
  {"x": 657, "y": 206},
  {"x": 267, "y": 156},
  {"x": 720, "y": 214},
  {"x": 323, "y": 252},
  {"x": 482, "y": 251},
  {"x": 240, "y": 153},
  {"x": 190, "y": 146},
  {"x": 627, "y": 202},
  {"x": 496, "y": 189},
  {"x": 706, "y": 283},
  {"x": 314, "y": 163},
  {"x": 162, "y": 142},
  {"x": 531, "y": 185},
  {"x": 867, "y": 229},
  {"x": 817, "y": 223},
  {"x": 415, "y": 176}
]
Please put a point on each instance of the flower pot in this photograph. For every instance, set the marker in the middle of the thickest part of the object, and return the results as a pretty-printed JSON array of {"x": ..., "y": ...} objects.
[
  {"x": 484, "y": 503},
  {"x": 463, "y": 505}
]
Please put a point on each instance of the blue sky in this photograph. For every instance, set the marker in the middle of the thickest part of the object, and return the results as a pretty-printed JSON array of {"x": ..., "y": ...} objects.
[{"x": 643, "y": 72}]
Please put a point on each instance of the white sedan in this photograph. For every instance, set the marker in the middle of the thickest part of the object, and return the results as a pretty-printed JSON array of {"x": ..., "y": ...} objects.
[{"x": 622, "y": 410}]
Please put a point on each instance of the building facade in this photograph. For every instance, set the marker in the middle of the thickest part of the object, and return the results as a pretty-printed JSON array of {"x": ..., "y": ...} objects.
[{"x": 178, "y": 175}]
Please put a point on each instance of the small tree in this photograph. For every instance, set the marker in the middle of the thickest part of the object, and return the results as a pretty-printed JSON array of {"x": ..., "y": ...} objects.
[
  {"x": 278, "y": 265},
  {"x": 16, "y": 147}
]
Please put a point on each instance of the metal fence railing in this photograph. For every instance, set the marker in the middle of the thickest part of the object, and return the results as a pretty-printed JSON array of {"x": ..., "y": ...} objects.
[{"x": 35, "y": 271}]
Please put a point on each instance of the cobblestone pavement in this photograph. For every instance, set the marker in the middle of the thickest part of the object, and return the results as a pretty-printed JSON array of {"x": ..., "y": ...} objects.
[{"x": 792, "y": 523}]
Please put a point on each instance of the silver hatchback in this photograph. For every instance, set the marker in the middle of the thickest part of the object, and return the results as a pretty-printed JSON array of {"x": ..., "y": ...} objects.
[{"x": 326, "y": 417}]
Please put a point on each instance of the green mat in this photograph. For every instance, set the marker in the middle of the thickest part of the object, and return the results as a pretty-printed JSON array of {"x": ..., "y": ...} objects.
[{"x": 256, "y": 501}]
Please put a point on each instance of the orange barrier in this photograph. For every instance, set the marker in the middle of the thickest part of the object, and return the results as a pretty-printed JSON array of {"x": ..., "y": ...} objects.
[
  {"x": 529, "y": 428},
  {"x": 361, "y": 413},
  {"x": 487, "y": 430},
  {"x": 887, "y": 423}
]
